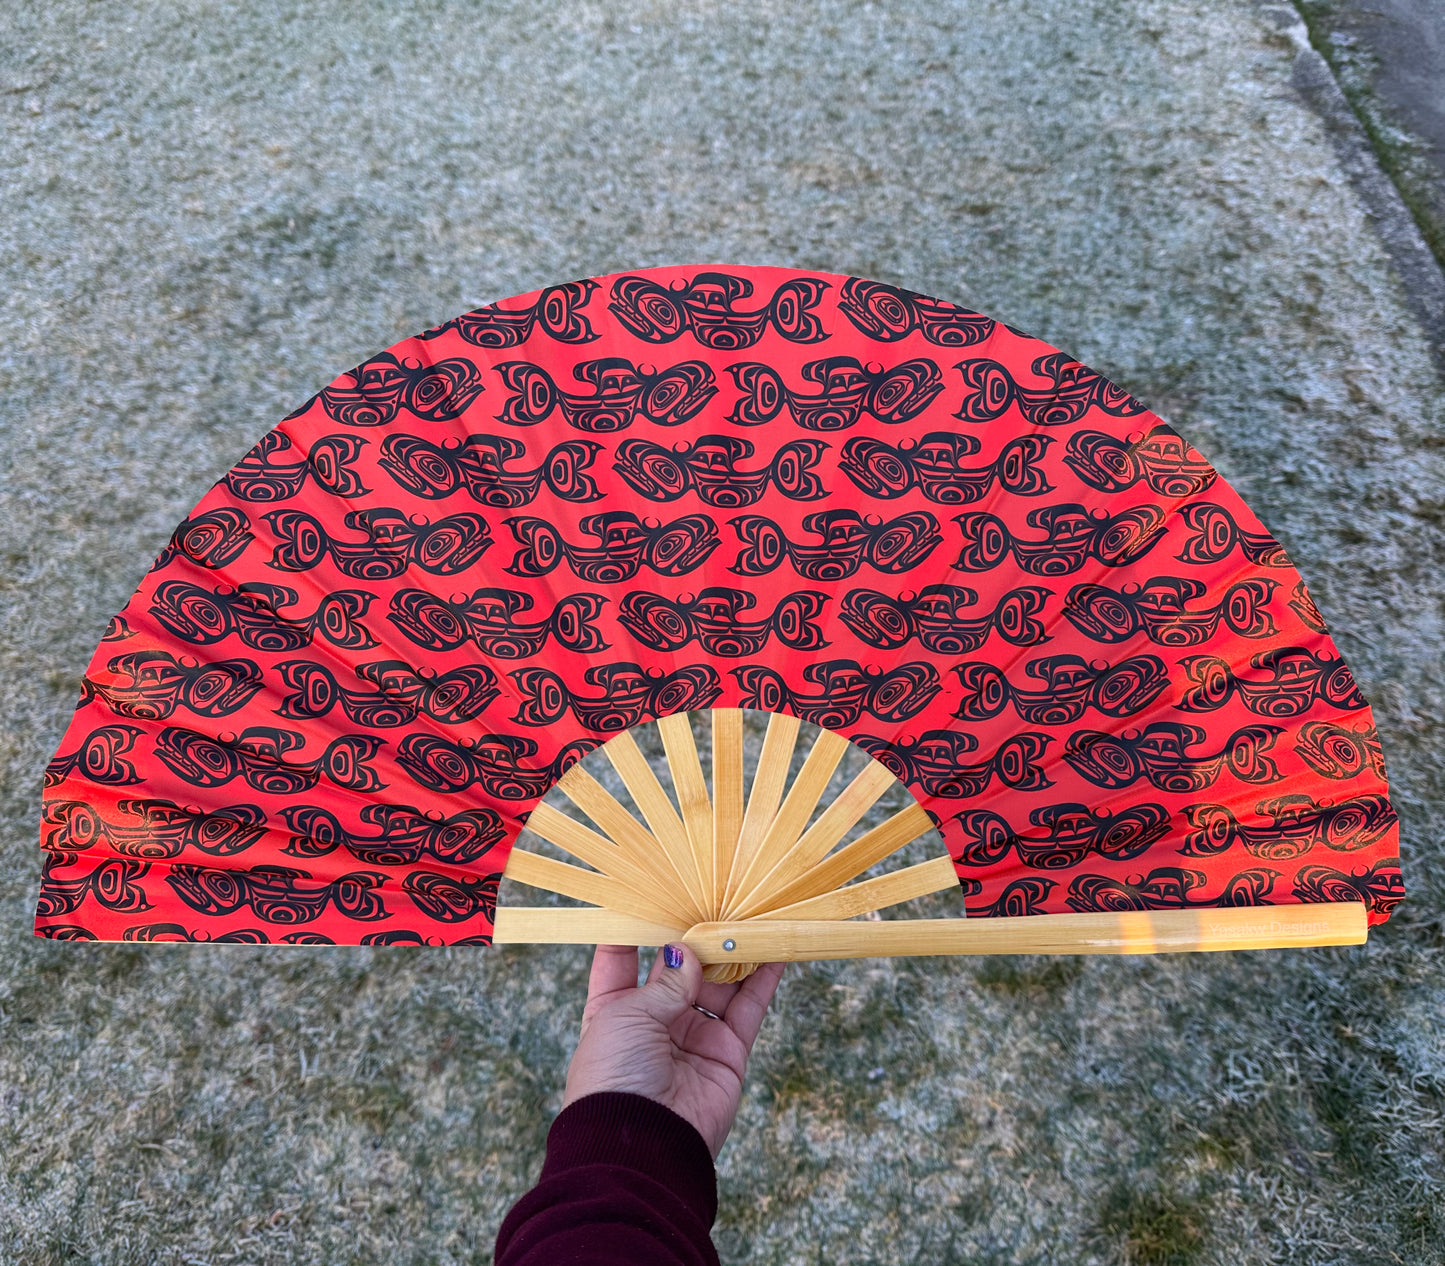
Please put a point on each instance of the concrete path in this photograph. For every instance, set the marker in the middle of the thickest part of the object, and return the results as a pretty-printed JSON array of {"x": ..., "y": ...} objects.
[
  {"x": 1390, "y": 56},
  {"x": 1374, "y": 70}
]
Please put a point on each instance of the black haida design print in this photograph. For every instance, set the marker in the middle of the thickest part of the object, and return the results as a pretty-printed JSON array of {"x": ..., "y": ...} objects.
[
  {"x": 384, "y": 389},
  {"x": 630, "y": 694},
  {"x": 1019, "y": 898},
  {"x": 117, "y": 629},
  {"x": 1381, "y": 886},
  {"x": 1073, "y": 536},
  {"x": 390, "y": 544},
  {"x": 990, "y": 390},
  {"x": 709, "y": 468},
  {"x": 404, "y": 835},
  {"x": 212, "y": 540},
  {"x": 1158, "y": 610},
  {"x": 1341, "y": 751},
  {"x": 503, "y": 765},
  {"x": 101, "y": 758},
  {"x": 252, "y": 613},
  {"x": 847, "y": 389},
  {"x": 477, "y": 466},
  {"x": 1161, "y": 457},
  {"x": 267, "y": 759},
  {"x": 402, "y": 694},
  {"x": 1070, "y": 685},
  {"x": 943, "y": 618},
  {"x": 257, "y": 477},
  {"x": 557, "y": 314},
  {"x": 114, "y": 884},
  {"x": 889, "y": 314},
  {"x": 848, "y": 541},
  {"x": 1216, "y": 536},
  {"x": 453, "y": 898},
  {"x": 1304, "y": 607},
  {"x": 936, "y": 762},
  {"x": 715, "y": 619},
  {"x": 176, "y": 933},
  {"x": 1157, "y": 753},
  {"x": 1074, "y": 832},
  {"x": 622, "y": 393},
  {"x": 277, "y": 894},
  {"x": 489, "y": 620},
  {"x": 625, "y": 545},
  {"x": 843, "y": 691},
  {"x": 707, "y": 308},
  {"x": 1168, "y": 888},
  {"x": 935, "y": 466},
  {"x": 151, "y": 829},
  {"x": 1297, "y": 824},
  {"x": 1295, "y": 680},
  {"x": 151, "y": 685}
]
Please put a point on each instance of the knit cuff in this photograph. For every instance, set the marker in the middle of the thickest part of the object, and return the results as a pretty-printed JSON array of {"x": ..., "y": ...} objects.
[{"x": 615, "y": 1128}]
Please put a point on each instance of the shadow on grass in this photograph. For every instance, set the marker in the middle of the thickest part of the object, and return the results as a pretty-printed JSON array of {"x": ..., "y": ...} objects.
[{"x": 1155, "y": 1227}]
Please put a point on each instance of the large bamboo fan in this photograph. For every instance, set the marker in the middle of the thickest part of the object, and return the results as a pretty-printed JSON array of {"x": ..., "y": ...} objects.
[{"x": 676, "y": 496}]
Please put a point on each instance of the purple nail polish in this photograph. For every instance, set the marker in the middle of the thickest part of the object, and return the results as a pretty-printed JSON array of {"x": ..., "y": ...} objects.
[{"x": 672, "y": 955}]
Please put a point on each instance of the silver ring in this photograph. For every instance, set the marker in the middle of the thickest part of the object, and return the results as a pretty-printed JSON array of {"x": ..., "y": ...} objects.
[{"x": 711, "y": 1015}]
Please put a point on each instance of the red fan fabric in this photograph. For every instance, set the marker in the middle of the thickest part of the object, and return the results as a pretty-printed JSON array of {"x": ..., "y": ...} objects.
[{"x": 384, "y": 634}]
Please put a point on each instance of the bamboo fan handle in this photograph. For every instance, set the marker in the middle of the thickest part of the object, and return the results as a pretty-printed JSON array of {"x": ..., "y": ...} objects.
[{"x": 1127, "y": 932}]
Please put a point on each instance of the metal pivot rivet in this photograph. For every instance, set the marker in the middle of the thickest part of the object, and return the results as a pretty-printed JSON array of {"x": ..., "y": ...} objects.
[{"x": 730, "y": 945}]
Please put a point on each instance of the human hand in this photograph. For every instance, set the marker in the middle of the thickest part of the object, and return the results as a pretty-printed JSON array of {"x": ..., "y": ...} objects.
[{"x": 652, "y": 1040}]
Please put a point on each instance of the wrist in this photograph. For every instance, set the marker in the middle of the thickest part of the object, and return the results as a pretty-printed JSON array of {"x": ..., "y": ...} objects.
[{"x": 620, "y": 1128}]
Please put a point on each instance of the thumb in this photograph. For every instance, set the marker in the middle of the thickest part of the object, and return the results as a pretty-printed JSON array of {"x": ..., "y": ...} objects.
[{"x": 673, "y": 984}]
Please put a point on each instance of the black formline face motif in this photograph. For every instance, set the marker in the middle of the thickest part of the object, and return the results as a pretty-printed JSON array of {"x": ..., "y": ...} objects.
[
  {"x": 252, "y": 613},
  {"x": 477, "y": 466},
  {"x": 942, "y": 619},
  {"x": 707, "y": 307},
  {"x": 709, "y": 467},
  {"x": 380, "y": 391},
  {"x": 622, "y": 393},
  {"x": 847, "y": 390},
  {"x": 557, "y": 314},
  {"x": 935, "y": 466}
]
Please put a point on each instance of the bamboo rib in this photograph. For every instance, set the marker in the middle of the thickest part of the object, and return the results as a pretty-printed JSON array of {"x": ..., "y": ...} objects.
[
  {"x": 769, "y": 779},
  {"x": 591, "y": 886},
  {"x": 598, "y": 852},
  {"x": 934, "y": 875},
  {"x": 798, "y": 806},
  {"x": 632, "y": 838},
  {"x": 645, "y": 789},
  {"x": 1127, "y": 932},
  {"x": 727, "y": 795},
  {"x": 817, "y": 842},
  {"x": 853, "y": 859},
  {"x": 692, "y": 799},
  {"x": 558, "y": 925}
]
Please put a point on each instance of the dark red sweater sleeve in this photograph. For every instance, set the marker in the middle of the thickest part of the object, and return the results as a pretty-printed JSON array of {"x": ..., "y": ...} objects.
[{"x": 626, "y": 1182}]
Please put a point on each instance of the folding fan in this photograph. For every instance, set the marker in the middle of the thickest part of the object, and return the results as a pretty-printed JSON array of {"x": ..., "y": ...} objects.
[{"x": 375, "y": 645}]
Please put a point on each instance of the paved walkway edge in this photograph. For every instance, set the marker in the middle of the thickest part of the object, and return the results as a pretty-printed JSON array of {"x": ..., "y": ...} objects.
[{"x": 1416, "y": 267}]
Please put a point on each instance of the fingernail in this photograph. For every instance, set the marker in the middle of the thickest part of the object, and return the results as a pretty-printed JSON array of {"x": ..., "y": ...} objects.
[{"x": 672, "y": 955}]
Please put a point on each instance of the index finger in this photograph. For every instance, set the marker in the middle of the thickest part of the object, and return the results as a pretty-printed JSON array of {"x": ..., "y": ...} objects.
[
  {"x": 745, "y": 1012},
  {"x": 614, "y": 968}
]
